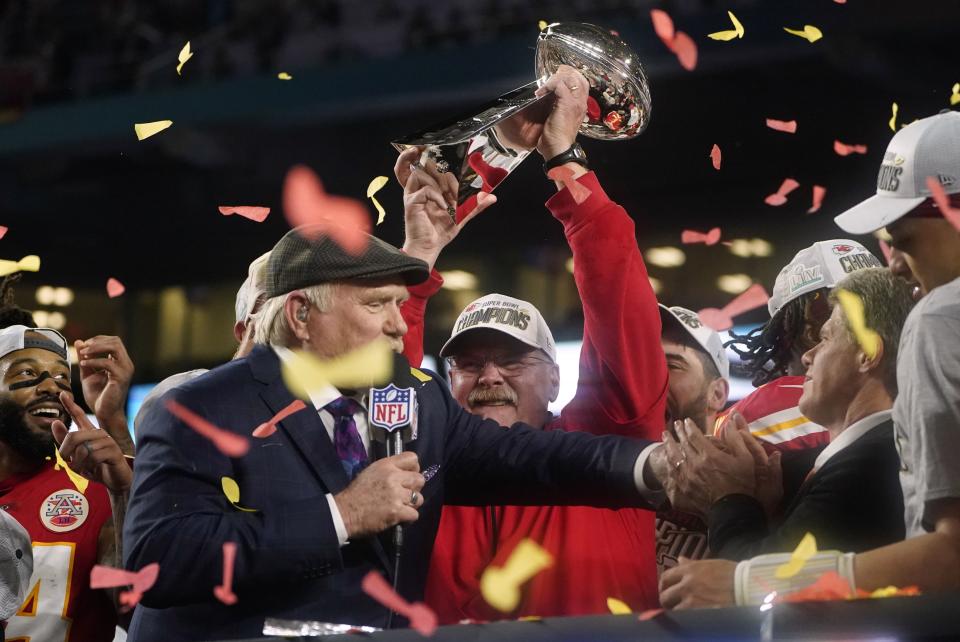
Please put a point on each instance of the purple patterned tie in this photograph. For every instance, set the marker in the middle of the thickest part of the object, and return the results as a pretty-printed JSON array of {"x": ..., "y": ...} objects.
[{"x": 346, "y": 437}]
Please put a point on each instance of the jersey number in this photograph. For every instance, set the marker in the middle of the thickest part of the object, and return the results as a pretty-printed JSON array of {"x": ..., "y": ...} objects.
[{"x": 43, "y": 615}]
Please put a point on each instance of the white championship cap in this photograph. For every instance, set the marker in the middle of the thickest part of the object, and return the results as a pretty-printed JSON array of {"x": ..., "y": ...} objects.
[
  {"x": 822, "y": 265},
  {"x": 16, "y": 565},
  {"x": 15, "y": 337},
  {"x": 927, "y": 147},
  {"x": 519, "y": 319},
  {"x": 252, "y": 288},
  {"x": 706, "y": 338}
]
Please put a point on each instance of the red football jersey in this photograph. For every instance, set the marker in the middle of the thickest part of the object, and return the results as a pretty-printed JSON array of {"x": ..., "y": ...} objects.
[{"x": 64, "y": 526}]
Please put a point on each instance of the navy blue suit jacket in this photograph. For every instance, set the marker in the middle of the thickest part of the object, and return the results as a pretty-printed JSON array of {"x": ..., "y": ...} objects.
[{"x": 289, "y": 562}]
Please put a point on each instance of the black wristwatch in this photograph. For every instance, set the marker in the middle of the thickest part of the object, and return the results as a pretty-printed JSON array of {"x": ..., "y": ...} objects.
[{"x": 573, "y": 155}]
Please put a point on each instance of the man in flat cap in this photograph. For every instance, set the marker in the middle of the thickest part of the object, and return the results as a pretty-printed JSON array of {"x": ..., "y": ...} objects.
[{"x": 323, "y": 496}]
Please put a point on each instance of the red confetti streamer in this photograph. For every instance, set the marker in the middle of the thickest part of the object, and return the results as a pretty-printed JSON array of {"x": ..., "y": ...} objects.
[
  {"x": 228, "y": 443},
  {"x": 421, "y": 617},
  {"x": 563, "y": 174},
  {"x": 818, "y": 193},
  {"x": 692, "y": 236},
  {"x": 252, "y": 212},
  {"x": 344, "y": 220},
  {"x": 843, "y": 149},
  {"x": 649, "y": 614},
  {"x": 887, "y": 250},
  {"x": 114, "y": 288},
  {"x": 788, "y": 126},
  {"x": 829, "y": 586},
  {"x": 141, "y": 581},
  {"x": 780, "y": 196},
  {"x": 269, "y": 427},
  {"x": 224, "y": 591},
  {"x": 952, "y": 214},
  {"x": 720, "y": 320},
  {"x": 715, "y": 156},
  {"x": 663, "y": 26},
  {"x": 3, "y": 231}
]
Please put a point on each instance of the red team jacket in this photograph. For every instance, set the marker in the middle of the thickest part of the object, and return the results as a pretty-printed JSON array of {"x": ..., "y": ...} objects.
[
  {"x": 64, "y": 526},
  {"x": 598, "y": 553}
]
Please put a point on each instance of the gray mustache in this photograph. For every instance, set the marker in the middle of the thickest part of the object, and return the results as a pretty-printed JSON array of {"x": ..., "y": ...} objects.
[{"x": 491, "y": 395}]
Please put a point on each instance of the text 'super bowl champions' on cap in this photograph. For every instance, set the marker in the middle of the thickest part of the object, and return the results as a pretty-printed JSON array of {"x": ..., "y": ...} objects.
[
  {"x": 925, "y": 148},
  {"x": 20, "y": 337},
  {"x": 706, "y": 338},
  {"x": 822, "y": 265},
  {"x": 519, "y": 319},
  {"x": 16, "y": 565},
  {"x": 296, "y": 262}
]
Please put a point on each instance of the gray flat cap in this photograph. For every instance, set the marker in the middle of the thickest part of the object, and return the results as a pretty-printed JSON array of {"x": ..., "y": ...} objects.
[{"x": 296, "y": 262}]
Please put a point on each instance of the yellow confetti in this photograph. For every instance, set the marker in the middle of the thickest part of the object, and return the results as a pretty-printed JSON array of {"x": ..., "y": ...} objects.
[
  {"x": 617, "y": 607},
  {"x": 232, "y": 490},
  {"x": 367, "y": 366},
  {"x": 893, "y": 118},
  {"x": 955, "y": 96},
  {"x": 500, "y": 586},
  {"x": 375, "y": 186},
  {"x": 809, "y": 32},
  {"x": 806, "y": 549},
  {"x": 284, "y": 76},
  {"x": 530, "y": 618},
  {"x": 146, "y": 130},
  {"x": 542, "y": 25},
  {"x": 78, "y": 480},
  {"x": 185, "y": 55},
  {"x": 29, "y": 263},
  {"x": 421, "y": 375},
  {"x": 852, "y": 306},
  {"x": 736, "y": 32}
]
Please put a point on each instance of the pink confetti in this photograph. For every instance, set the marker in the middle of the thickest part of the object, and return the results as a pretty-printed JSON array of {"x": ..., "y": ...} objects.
[
  {"x": 252, "y": 212},
  {"x": 715, "y": 156},
  {"x": 3, "y": 231},
  {"x": 226, "y": 442},
  {"x": 141, "y": 581},
  {"x": 818, "y": 193},
  {"x": 788, "y": 126},
  {"x": 676, "y": 41},
  {"x": 840, "y": 1},
  {"x": 887, "y": 250},
  {"x": 950, "y": 213},
  {"x": 649, "y": 614},
  {"x": 344, "y": 220},
  {"x": 845, "y": 150},
  {"x": 224, "y": 591},
  {"x": 780, "y": 196},
  {"x": 722, "y": 319},
  {"x": 421, "y": 617},
  {"x": 268, "y": 428},
  {"x": 114, "y": 288},
  {"x": 692, "y": 236},
  {"x": 565, "y": 175}
]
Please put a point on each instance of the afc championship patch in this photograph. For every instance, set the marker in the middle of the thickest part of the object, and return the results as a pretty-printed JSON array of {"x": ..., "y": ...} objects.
[
  {"x": 392, "y": 408},
  {"x": 65, "y": 510}
]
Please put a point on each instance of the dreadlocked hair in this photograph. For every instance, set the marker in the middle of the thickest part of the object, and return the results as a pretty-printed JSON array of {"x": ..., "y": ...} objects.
[
  {"x": 765, "y": 352},
  {"x": 10, "y": 312}
]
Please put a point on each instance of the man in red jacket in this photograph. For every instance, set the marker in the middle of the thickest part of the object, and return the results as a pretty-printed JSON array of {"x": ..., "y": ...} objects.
[{"x": 503, "y": 367}]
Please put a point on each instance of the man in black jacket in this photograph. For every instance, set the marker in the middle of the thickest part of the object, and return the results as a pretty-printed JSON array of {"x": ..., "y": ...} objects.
[{"x": 851, "y": 501}]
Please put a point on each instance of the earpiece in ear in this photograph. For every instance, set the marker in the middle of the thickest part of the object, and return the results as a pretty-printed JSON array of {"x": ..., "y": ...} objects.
[{"x": 302, "y": 314}]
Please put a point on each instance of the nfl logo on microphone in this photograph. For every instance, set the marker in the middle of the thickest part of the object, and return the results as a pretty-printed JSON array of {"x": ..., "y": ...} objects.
[{"x": 392, "y": 407}]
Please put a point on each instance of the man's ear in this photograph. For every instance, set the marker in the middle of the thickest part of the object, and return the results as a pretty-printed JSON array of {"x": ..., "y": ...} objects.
[
  {"x": 296, "y": 311},
  {"x": 239, "y": 329},
  {"x": 865, "y": 363},
  {"x": 717, "y": 393},
  {"x": 554, "y": 382}
]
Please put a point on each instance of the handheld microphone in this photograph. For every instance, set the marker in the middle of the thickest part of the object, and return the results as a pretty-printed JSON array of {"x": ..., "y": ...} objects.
[{"x": 392, "y": 415}]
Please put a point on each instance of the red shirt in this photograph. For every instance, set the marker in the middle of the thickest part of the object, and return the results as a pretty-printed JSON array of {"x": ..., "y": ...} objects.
[
  {"x": 64, "y": 526},
  {"x": 598, "y": 553},
  {"x": 773, "y": 417}
]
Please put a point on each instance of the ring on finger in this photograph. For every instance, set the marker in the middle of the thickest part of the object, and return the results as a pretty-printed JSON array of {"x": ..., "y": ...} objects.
[
  {"x": 452, "y": 211},
  {"x": 414, "y": 497},
  {"x": 88, "y": 447}
]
